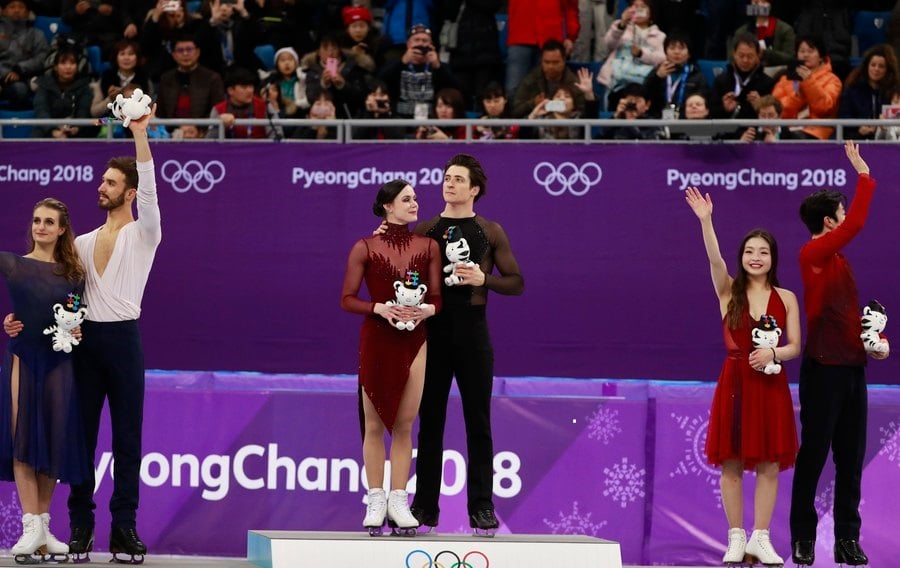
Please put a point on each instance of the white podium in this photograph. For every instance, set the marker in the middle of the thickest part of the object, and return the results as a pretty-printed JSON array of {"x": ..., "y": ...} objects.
[{"x": 300, "y": 549}]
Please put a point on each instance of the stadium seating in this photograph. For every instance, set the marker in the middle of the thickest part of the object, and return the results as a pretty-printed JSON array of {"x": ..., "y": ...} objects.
[
  {"x": 15, "y": 131},
  {"x": 870, "y": 28},
  {"x": 51, "y": 26},
  {"x": 711, "y": 68},
  {"x": 266, "y": 55}
]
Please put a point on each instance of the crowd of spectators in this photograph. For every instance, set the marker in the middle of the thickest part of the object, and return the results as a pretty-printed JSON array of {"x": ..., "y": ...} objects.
[{"x": 445, "y": 59}]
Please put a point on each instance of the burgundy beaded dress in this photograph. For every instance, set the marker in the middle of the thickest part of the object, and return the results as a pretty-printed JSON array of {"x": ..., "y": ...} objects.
[
  {"x": 752, "y": 416},
  {"x": 385, "y": 352}
]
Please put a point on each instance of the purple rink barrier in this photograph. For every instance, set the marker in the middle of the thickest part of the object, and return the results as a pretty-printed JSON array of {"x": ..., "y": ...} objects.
[
  {"x": 225, "y": 453},
  {"x": 255, "y": 238}
]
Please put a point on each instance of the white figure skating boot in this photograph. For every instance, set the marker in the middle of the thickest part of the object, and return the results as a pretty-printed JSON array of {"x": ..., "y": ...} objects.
[
  {"x": 737, "y": 541},
  {"x": 400, "y": 519},
  {"x": 54, "y": 546},
  {"x": 376, "y": 511},
  {"x": 33, "y": 537},
  {"x": 760, "y": 548}
]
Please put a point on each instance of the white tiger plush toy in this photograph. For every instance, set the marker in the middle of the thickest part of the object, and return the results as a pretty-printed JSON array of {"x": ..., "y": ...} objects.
[
  {"x": 131, "y": 108},
  {"x": 457, "y": 251},
  {"x": 874, "y": 319},
  {"x": 67, "y": 318},
  {"x": 408, "y": 292},
  {"x": 765, "y": 336}
]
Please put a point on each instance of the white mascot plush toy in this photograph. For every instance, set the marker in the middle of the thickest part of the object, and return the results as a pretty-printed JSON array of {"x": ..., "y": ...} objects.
[
  {"x": 874, "y": 319},
  {"x": 457, "y": 252},
  {"x": 67, "y": 317},
  {"x": 765, "y": 336},
  {"x": 131, "y": 108},
  {"x": 408, "y": 292}
]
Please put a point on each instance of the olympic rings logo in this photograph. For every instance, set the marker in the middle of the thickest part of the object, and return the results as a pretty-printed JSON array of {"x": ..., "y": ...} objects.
[
  {"x": 193, "y": 175},
  {"x": 567, "y": 177},
  {"x": 453, "y": 560}
]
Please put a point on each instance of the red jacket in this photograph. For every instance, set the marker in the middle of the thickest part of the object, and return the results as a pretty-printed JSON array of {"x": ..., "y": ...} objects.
[
  {"x": 533, "y": 22},
  {"x": 830, "y": 294},
  {"x": 259, "y": 111}
]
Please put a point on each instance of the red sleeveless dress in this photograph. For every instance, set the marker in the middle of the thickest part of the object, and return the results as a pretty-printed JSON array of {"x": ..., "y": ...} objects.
[
  {"x": 752, "y": 415},
  {"x": 385, "y": 352}
]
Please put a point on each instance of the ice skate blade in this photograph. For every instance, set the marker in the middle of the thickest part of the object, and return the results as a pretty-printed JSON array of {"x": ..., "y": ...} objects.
[
  {"x": 484, "y": 533},
  {"x": 134, "y": 558},
  {"x": 80, "y": 557},
  {"x": 404, "y": 531},
  {"x": 426, "y": 529},
  {"x": 375, "y": 531},
  {"x": 754, "y": 561},
  {"x": 28, "y": 559}
]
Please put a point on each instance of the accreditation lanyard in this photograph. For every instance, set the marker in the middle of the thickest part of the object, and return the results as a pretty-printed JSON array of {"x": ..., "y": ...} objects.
[
  {"x": 679, "y": 85},
  {"x": 739, "y": 83}
]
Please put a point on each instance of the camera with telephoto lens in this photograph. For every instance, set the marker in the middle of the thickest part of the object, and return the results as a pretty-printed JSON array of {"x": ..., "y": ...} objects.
[{"x": 422, "y": 49}]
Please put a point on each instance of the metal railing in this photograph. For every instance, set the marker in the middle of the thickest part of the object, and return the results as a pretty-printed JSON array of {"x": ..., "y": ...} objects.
[{"x": 346, "y": 130}]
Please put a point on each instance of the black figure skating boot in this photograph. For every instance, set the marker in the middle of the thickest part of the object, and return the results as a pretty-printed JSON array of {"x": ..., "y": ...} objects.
[
  {"x": 737, "y": 542},
  {"x": 25, "y": 551},
  {"x": 81, "y": 543},
  {"x": 401, "y": 521},
  {"x": 126, "y": 541},
  {"x": 760, "y": 548},
  {"x": 376, "y": 511},
  {"x": 847, "y": 551},
  {"x": 803, "y": 552},
  {"x": 54, "y": 550},
  {"x": 427, "y": 521},
  {"x": 484, "y": 521}
]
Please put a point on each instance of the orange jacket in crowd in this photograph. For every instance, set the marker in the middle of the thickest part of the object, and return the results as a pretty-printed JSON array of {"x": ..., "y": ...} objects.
[{"x": 817, "y": 96}]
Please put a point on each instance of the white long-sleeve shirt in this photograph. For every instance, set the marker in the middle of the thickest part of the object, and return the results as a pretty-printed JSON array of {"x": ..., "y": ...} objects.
[{"x": 116, "y": 296}]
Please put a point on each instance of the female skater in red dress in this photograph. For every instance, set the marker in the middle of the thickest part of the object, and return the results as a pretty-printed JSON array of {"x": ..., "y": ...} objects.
[
  {"x": 391, "y": 360},
  {"x": 751, "y": 424}
]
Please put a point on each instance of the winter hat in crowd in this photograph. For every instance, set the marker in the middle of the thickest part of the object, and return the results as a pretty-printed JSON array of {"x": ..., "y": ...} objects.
[
  {"x": 356, "y": 13},
  {"x": 288, "y": 50}
]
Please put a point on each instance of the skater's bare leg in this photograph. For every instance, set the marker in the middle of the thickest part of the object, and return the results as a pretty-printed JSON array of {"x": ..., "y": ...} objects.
[
  {"x": 373, "y": 444},
  {"x": 766, "y": 492},
  {"x": 401, "y": 439},
  {"x": 732, "y": 485}
]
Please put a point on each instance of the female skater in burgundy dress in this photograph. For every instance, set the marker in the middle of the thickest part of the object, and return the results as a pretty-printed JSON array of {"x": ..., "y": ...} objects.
[
  {"x": 751, "y": 425},
  {"x": 392, "y": 360}
]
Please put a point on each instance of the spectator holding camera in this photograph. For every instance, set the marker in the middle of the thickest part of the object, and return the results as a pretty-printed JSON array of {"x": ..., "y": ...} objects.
[
  {"x": 413, "y": 80},
  {"x": 544, "y": 81},
  {"x": 227, "y": 36},
  {"x": 767, "y": 108},
  {"x": 125, "y": 70},
  {"x": 672, "y": 80},
  {"x": 632, "y": 105},
  {"x": 100, "y": 22},
  {"x": 809, "y": 89},
  {"x": 330, "y": 69},
  {"x": 286, "y": 86},
  {"x": 635, "y": 46},
  {"x": 164, "y": 23},
  {"x": 743, "y": 82}
]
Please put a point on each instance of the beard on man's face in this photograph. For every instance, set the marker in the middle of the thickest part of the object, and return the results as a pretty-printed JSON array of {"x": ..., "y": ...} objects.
[{"x": 110, "y": 203}]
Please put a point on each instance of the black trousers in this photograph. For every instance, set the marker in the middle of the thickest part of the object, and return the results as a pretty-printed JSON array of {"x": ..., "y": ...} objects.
[
  {"x": 458, "y": 344},
  {"x": 109, "y": 365},
  {"x": 833, "y": 414}
]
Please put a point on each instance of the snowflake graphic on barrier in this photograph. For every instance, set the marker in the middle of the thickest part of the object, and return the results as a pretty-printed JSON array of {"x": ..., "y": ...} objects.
[
  {"x": 624, "y": 482},
  {"x": 575, "y": 523},
  {"x": 10, "y": 521},
  {"x": 603, "y": 424},
  {"x": 693, "y": 462},
  {"x": 890, "y": 445}
]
